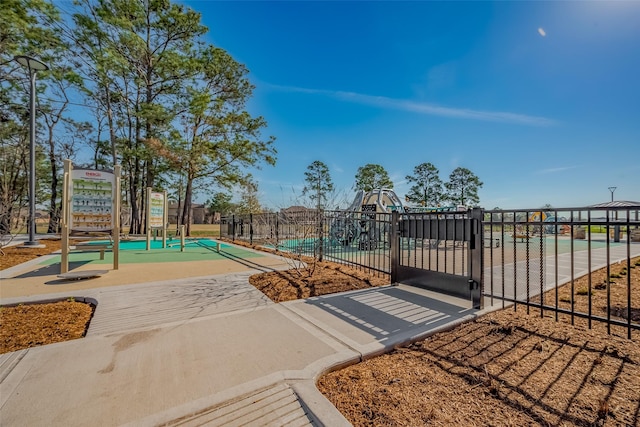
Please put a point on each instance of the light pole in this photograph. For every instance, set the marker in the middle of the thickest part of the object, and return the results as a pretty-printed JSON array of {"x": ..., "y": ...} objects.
[
  {"x": 612, "y": 189},
  {"x": 33, "y": 65}
]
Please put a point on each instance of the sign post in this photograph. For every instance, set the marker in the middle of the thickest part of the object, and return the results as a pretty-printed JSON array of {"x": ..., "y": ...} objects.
[
  {"x": 65, "y": 216},
  {"x": 116, "y": 217},
  {"x": 90, "y": 203},
  {"x": 157, "y": 214}
]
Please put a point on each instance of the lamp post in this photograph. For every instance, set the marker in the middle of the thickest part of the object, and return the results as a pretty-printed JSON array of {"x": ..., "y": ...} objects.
[
  {"x": 33, "y": 65},
  {"x": 612, "y": 189}
]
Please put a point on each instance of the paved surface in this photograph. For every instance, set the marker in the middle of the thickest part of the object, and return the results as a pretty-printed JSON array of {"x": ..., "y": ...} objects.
[
  {"x": 209, "y": 349},
  {"x": 205, "y": 350},
  {"x": 555, "y": 271}
]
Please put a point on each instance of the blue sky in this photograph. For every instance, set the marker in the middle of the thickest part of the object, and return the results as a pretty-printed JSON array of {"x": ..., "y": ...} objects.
[{"x": 541, "y": 100}]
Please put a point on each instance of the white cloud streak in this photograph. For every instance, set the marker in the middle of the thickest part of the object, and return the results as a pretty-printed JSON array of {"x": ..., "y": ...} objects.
[
  {"x": 542, "y": 32},
  {"x": 422, "y": 108},
  {"x": 555, "y": 170}
]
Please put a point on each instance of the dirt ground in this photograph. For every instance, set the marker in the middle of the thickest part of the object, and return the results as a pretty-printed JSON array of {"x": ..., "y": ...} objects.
[{"x": 506, "y": 368}]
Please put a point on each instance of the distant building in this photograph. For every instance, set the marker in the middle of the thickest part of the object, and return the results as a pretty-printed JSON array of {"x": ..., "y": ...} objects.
[
  {"x": 198, "y": 213},
  {"x": 616, "y": 204},
  {"x": 298, "y": 214}
]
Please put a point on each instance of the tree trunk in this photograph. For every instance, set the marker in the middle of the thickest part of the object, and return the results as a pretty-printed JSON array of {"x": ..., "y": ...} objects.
[
  {"x": 54, "y": 210},
  {"x": 186, "y": 213}
]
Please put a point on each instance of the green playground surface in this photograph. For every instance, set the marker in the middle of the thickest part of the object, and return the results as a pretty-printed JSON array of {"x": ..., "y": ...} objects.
[
  {"x": 564, "y": 244},
  {"x": 134, "y": 252}
]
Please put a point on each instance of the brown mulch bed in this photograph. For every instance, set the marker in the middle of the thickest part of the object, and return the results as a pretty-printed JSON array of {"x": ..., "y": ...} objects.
[
  {"x": 14, "y": 255},
  {"x": 504, "y": 369},
  {"x": 620, "y": 278},
  {"x": 318, "y": 278},
  {"x": 508, "y": 368},
  {"x": 327, "y": 278},
  {"x": 31, "y": 325}
]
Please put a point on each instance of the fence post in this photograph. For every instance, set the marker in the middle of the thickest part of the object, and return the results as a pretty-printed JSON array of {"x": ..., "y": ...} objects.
[
  {"x": 233, "y": 228},
  {"x": 277, "y": 230},
  {"x": 320, "y": 233},
  {"x": 251, "y": 228},
  {"x": 476, "y": 258},
  {"x": 394, "y": 245}
]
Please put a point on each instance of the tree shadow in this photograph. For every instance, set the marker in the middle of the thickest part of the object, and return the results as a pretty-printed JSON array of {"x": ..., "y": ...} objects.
[{"x": 558, "y": 367}]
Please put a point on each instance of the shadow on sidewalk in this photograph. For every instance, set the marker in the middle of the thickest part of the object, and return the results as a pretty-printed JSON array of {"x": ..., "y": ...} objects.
[{"x": 387, "y": 312}]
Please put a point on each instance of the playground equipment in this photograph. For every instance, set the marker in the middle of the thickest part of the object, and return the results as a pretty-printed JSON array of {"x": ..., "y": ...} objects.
[
  {"x": 552, "y": 228},
  {"x": 526, "y": 231},
  {"x": 357, "y": 222}
]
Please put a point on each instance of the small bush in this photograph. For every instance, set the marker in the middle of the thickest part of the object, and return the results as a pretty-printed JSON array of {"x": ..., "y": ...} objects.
[{"x": 584, "y": 291}]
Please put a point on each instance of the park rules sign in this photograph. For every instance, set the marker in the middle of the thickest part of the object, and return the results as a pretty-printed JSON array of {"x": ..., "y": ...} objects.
[{"x": 156, "y": 210}]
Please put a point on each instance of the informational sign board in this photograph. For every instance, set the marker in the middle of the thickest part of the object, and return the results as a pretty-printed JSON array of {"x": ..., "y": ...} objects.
[
  {"x": 369, "y": 211},
  {"x": 91, "y": 195},
  {"x": 156, "y": 211}
]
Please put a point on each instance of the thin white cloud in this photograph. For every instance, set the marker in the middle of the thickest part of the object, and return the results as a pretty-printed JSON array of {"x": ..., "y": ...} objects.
[
  {"x": 422, "y": 108},
  {"x": 542, "y": 32},
  {"x": 555, "y": 170}
]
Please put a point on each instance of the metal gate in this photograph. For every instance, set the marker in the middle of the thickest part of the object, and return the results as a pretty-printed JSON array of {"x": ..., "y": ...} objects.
[{"x": 439, "y": 251}]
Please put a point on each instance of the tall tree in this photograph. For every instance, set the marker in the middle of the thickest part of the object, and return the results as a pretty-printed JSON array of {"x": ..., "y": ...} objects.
[
  {"x": 26, "y": 27},
  {"x": 220, "y": 203},
  {"x": 372, "y": 176},
  {"x": 141, "y": 57},
  {"x": 427, "y": 188},
  {"x": 218, "y": 137},
  {"x": 249, "y": 200},
  {"x": 318, "y": 184},
  {"x": 462, "y": 188}
]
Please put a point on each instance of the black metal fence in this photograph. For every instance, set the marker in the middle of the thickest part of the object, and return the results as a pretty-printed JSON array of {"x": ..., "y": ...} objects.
[
  {"x": 553, "y": 260},
  {"x": 442, "y": 252},
  {"x": 361, "y": 240}
]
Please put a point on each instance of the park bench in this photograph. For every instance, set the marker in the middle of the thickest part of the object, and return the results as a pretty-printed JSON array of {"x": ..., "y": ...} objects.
[
  {"x": 85, "y": 245},
  {"x": 89, "y": 247}
]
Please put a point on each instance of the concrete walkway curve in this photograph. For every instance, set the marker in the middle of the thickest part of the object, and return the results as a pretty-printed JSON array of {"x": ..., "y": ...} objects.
[{"x": 208, "y": 350}]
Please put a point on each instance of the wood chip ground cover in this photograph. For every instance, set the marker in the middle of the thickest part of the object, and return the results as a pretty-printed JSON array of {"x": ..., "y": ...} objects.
[
  {"x": 509, "y": 368},
  {"x": 31, "y": 325},
  {"x": 504, "y": 369}
]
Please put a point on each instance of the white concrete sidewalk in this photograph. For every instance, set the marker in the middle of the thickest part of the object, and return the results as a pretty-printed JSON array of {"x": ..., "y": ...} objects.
[{"x": 210, "y": 351}]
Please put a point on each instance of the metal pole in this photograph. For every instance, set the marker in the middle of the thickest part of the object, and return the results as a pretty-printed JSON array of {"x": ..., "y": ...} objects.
[
  {"x": 33, "y": 65},
  {"x": 32, "y": 161},
  {"x": 117, "y": 205}
]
